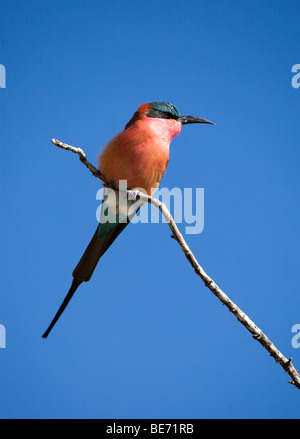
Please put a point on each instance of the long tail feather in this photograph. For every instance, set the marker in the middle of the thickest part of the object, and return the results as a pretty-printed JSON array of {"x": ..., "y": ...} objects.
[
  {"x": 74, "y": 286},
  {"x": 96, "y": 248},
  {"x": 86, "y": 266}
]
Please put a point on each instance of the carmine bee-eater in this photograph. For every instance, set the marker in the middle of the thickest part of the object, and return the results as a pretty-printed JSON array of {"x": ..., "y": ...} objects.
[{"x": 138, "y": 155}]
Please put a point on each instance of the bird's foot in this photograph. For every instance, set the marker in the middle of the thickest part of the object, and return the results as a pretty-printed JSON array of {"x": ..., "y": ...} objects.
[
  {"x": 111, "y": 185},
  {"x": 133, "y": 194}
]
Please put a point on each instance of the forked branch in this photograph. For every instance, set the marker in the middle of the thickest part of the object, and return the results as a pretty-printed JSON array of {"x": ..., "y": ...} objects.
[{"x": 254, "y": 330}]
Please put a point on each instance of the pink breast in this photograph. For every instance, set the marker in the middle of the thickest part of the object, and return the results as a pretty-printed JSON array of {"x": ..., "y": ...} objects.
[{"x": 140, "y": 154}]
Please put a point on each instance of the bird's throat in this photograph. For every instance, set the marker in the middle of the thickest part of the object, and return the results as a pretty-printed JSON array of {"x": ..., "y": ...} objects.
[{"x": 164, "y": 129}]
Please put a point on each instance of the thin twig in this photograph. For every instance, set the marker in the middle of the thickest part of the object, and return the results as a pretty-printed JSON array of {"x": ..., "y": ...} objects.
[
  {"x": 82, "y": 158},
  {"x": 255, "y": 331}
]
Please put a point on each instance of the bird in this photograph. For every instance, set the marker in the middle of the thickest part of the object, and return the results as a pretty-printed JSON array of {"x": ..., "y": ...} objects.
[{"x": 138, "y": 155}]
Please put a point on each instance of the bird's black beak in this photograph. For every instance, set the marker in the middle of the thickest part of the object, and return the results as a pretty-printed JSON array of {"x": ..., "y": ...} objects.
[{"x": 193, "y": 119}]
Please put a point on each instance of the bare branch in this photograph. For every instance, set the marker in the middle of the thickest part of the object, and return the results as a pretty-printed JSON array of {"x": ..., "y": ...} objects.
[
  {"x": 254, "y": 330},
  {"x": 82, "y": 158}
]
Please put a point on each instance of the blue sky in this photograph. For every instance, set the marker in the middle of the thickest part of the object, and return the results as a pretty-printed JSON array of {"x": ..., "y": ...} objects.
[{"x": 144, "y": 338}]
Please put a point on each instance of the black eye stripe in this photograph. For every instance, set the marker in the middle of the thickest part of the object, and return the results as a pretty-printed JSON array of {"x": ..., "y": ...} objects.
[{"x": 161, "y": 114}]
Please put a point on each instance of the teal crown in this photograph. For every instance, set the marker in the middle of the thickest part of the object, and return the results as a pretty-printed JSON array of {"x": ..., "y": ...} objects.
[{"x": 165, "y": 107}]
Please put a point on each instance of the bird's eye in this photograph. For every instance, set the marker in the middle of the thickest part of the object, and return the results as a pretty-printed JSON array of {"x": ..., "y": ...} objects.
[{"x": 167, "y": 114}]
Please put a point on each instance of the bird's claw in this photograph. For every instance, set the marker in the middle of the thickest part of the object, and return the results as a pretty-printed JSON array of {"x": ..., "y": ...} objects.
[
  {"x": 133, "y": 194},
  {"x": 110, "y": 185}
]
